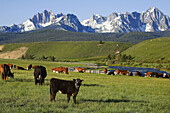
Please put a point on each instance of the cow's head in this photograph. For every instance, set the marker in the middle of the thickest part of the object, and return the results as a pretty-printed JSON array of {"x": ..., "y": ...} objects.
[
  {"x": 77, "y": 82},
  {"x": 11, "y": 75}
]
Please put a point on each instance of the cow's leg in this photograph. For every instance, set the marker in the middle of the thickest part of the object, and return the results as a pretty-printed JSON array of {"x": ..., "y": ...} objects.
[
  {"x": 36, "y": 81},
  {"x": 68, "y": 97},
  {"x": 74, "y": 99},
  {"x": 1, "y": 76},
  {"x": 52, "y": 96},
  {"x": 40, "y": 81},
  {"x": 6, "y": 77}
]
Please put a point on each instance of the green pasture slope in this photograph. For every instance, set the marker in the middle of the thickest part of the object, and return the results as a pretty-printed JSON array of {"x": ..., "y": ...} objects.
[
  {"x": 151, "y": 50},
  {"x": 99, "y": 93},
  {"x": 69, "y": 49}
]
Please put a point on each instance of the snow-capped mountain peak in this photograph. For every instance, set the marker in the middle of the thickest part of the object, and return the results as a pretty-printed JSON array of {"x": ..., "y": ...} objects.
[{"x": 149, "y": 21}]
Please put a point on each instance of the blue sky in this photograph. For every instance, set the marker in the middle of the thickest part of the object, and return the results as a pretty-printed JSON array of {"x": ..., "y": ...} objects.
[{"x": 18, "y": 11}]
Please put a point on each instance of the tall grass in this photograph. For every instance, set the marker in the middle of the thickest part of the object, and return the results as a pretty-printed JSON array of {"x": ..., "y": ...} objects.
[{"x": 98, "y": 93}]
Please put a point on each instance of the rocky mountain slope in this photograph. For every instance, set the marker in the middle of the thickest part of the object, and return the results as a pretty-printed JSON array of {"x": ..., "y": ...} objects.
[{"x": 149, "y": 21}]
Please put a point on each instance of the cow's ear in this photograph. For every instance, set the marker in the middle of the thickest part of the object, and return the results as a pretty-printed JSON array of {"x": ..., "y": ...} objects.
[
  {"x": 82, "y": 80},
  {"x": 74, "y": 80}
]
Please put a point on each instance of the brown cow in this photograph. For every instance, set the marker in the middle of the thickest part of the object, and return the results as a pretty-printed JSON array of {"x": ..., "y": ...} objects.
[
  {"x": 169, "y": 75},
  {"x": 137, "y": 73},
  {"x": 53, "y": 69},
  {"x": 117, "y": 71},
  {"x": 105, "y": 71},
  {"x": 10, "y": 66},
  {"x": 121, "y": 72},
  {"x": 148, "y": 74},
  {"x": 35, "y": 66},
  {"x": 80, "y": 70},
  {"x": 61, "y": 70},
  {"x": 5, "y": 72},
  {"x": 71, "y": 88}
]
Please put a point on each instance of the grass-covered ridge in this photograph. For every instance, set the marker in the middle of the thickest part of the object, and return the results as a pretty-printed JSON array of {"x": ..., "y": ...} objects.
[
  {"x": 60, "y": 35},
  {"x": 69, "y": 49},
  {"x": 151, "y": 50}
]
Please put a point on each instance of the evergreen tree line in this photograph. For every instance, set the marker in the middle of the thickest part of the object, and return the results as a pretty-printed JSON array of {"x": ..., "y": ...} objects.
[
  {"x": 120, "y": 58},
  {"x": 47, "y": 58}
]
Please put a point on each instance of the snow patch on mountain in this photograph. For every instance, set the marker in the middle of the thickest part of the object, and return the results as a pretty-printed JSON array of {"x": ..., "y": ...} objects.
[{"x": 148, "y": 21}]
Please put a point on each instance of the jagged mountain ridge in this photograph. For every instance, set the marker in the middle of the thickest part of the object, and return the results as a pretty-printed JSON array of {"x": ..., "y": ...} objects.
[
  {"x": 149, "y": 21},
  {"x": 47, "y": 19}
]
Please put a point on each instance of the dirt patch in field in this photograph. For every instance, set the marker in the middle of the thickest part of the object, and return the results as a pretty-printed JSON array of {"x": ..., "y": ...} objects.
[
  {"x": 15, "y": 54},
  {"x": 1, "y": 47}
]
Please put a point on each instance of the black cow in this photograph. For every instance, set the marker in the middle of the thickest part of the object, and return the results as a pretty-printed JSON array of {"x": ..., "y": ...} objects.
[
  {"x": 111, "y": 72},
  {"x": 29, "y": 67},
  {"x": 64, "y": 87},
  {"x": 19, "y": 67},
  {"x": 40, "y": 74}
]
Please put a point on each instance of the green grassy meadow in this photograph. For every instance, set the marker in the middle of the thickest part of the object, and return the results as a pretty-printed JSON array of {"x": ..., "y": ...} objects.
[
  {"x": 69, "y": 49},
  {"x": 99, "y": 93},
  {"x": 151, "y": 50}
]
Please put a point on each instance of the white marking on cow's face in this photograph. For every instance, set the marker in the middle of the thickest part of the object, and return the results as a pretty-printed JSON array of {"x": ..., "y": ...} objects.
[
  {"x": 164, "y": 75},
  {"x": 78, "y": 83},
  {"x": 115, "y": 73},
  {"x": 60, "y": 91},
  {"x": 54, "y": 71}
]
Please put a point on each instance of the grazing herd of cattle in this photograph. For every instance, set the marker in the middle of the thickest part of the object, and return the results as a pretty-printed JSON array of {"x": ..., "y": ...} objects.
[
  {"x": 137, "y": 73},
  {"x": 71, "y": 88}
]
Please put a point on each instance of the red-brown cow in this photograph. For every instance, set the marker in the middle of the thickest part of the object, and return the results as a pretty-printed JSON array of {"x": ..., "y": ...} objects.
[
  {"x": 121, "y": 72},
  {"x": 53, "y": 69},
  {"x": 35, "y": 66},
  {"x": 5, "y": 72},
  {"x": 105, "y": 71},
  {"x": 148, "y": 74},
  {"x": 80, "y": 70},
  {"x": 61, "y": 70},
  {"x": 10, "y": 66}
]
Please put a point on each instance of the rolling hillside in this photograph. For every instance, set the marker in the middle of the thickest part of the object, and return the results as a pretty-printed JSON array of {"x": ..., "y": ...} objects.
[
  {"x": 153, "y": 50},
  {"x": 68, "y": 49},
  {"x": 59, "y": 35}
]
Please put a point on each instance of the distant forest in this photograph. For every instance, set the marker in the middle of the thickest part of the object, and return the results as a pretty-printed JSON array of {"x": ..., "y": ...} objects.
[{"x": 59, "y": 35}]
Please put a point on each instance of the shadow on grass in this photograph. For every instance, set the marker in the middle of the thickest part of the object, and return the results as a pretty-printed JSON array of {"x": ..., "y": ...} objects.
[
  {"x": 89, "y": 85},
  {"x": 20, "y": 80},
  {"x": 111, "y": 101}
]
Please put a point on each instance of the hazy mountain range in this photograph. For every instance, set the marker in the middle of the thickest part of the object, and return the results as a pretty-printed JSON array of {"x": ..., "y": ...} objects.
[{"x": 148, "y": 21}]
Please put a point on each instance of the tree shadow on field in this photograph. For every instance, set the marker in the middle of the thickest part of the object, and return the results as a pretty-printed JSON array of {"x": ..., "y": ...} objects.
[
  {"x": 89, "y": 85},
  {"x": 111, "y": 101}
]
